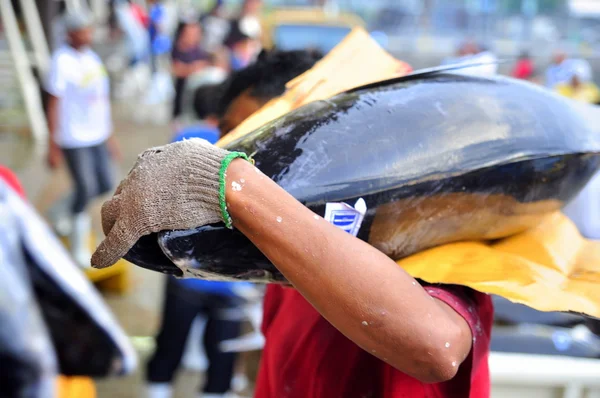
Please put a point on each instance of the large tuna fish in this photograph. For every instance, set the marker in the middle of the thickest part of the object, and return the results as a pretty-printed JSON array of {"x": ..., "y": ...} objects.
[{"x": 438, "y": 158}]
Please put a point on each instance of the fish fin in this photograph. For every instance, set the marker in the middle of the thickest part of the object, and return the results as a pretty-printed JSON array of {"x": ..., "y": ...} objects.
[{"x": 426, "y": 72}]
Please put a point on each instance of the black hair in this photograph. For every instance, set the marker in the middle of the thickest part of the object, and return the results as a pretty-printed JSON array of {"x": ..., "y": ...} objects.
[
  {"x": 206, "y": 101},
  {"x": 267, "y": 77},
  {"x": 181, "y": 25},
  {"x": 235, "y": 34}
]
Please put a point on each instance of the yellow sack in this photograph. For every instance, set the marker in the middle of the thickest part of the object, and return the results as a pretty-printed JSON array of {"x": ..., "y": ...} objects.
[{"x": 550, "y": 268}]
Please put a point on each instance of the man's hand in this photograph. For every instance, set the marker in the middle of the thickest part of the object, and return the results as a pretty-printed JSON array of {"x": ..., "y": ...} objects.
[
  {"x": 54, "y": 155},
  {"x": 175, "y": 186},
  {"x": 114, "y": 149}
]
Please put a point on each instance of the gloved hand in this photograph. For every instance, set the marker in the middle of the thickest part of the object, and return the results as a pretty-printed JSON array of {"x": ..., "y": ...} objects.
[{"x": 176, "y": 186}]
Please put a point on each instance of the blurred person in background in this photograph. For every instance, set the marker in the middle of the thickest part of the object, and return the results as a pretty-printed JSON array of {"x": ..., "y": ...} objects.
[
  {"x": 213, "y": 74},
  {"x": 187, "y": 57},
  {"x": 471, "y": 53},
  {"x": 132, "y": 21},
  {"x": 159, "y": 40},
  {"x": 242, "y": 49},
  {"x": 524, "y": 68},
  {"x": 556, "y": 73},
  {"x": 185, "y": 299},
  {"x": 579, "y": 85},
  {"x": 80, "y": 126},
  {"x": 249, "y": 19},
  {"x": 215, "y": 27},
  {"x": 245, "y": 34}
]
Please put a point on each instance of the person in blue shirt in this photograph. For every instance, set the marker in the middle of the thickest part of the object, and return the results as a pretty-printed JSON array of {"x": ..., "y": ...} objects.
[
  {"x": 242, "y": 47},
  {"x": 187, "y": 298},
  {"x": 160, "y": 43}
]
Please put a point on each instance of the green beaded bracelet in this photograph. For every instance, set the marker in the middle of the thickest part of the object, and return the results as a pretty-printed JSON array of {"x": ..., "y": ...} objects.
[{"x": 222, "y": 174}]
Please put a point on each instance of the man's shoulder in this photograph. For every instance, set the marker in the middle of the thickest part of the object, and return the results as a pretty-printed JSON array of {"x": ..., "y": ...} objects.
[{"x": 62, "y": 52}]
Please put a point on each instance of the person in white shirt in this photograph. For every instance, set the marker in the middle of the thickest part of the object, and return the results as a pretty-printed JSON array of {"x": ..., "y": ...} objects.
[{"x": 79, "y": 119}]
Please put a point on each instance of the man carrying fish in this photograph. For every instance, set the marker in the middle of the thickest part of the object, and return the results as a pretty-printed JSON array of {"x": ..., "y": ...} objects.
[{"x": 355, "y": 324}]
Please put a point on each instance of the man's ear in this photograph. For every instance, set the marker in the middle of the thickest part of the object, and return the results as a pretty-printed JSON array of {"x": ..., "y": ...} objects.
[{"x": 264, "y": 54}]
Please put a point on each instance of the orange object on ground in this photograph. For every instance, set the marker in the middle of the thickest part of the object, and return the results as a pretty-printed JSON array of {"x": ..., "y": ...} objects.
[{"x": 75, "y": 387}]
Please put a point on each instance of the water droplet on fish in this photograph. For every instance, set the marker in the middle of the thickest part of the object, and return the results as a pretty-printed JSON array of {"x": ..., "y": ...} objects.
[
  {"x": 453, "y": 363},
  {"x": 373, "y": 351},
  {"x": 242, "y": 180},
  {"x": 279, "y": 219},
  {"x": 236, "y": 186},
  {"x": 414, "y": 283},
  {"x": 365, "y": 323},
  {"x": 385, "y": 359},
  {"x": 447, "y": 345},
  {"x": 383, "y": 313},
  {"x": 316, "y": 217}
]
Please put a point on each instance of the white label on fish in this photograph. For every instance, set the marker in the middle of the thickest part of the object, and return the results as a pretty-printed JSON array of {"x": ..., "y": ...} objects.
[{"x": 345, "y": 216}]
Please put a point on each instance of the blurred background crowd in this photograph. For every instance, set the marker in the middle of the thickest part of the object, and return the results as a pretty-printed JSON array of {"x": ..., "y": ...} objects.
[{"x": 165, "y": 63}]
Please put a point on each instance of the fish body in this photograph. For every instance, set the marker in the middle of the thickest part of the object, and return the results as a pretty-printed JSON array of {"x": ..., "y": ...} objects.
[{"x": 438, "y": 157}]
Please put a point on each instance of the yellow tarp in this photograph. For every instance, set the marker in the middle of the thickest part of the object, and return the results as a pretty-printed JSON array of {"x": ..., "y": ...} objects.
[{"x": 550, "y": 268}]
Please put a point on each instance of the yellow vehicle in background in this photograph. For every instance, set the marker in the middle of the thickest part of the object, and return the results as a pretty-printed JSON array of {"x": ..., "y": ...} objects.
[{"x": 295, "y": 28}]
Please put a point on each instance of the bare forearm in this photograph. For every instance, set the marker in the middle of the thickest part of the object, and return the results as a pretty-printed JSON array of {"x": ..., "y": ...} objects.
[
  {"x": 358, "y": 289},
  {"x": 183, "y": 70},
  {"x": 180, "y": 69},
  {"x": 52, "y": 114}
]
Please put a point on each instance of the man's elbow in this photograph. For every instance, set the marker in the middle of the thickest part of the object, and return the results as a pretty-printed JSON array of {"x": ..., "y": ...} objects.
[
  {"x": 440, "y": 358},
  {"x": 442, "y": 369},
  {"x": 451, "y": 349}
]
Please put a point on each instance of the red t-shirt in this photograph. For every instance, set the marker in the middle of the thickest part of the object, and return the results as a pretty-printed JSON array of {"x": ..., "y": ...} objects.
[
  {"x": 523, "y": 69},
  {"x": 306, "y": 357}
]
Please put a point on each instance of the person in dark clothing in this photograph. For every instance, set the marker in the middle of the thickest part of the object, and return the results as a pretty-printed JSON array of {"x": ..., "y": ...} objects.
[
  {"x": 184, "y": 300},
  {"x": 187, "y": 58}
]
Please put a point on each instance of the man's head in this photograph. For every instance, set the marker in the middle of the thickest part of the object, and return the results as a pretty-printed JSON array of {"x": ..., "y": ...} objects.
[
  {"x": 237, "y": 41},
  {"x": 251, "y": 7},
  {"x": 79, "y": 29},
  {"x": 247, "y": 90},
  {"x": 190, "y": 34},
  {"x": 469, "y": 47},
  {"x": 559, "y": 57},
  {"x": 206, "y": 103}
]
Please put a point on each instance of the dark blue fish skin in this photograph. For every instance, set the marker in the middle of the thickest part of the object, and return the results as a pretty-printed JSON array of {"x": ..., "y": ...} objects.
[{"x": 511, "y": 151}]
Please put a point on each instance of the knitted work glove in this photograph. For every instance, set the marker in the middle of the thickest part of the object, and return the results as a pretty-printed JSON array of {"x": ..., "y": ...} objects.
[{"x": 176, "y": 186}]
